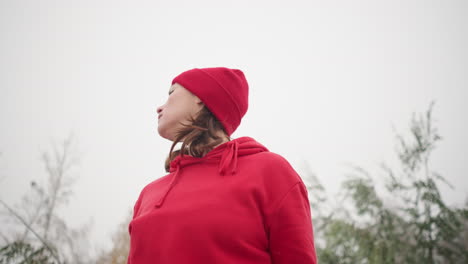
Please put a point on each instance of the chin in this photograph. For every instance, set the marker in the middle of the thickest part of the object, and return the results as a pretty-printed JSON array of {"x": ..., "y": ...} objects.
[{"x": 164, "y": 134}]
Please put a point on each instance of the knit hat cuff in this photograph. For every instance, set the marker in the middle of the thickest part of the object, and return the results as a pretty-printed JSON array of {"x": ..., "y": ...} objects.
[{"x": 199, "y": 79}]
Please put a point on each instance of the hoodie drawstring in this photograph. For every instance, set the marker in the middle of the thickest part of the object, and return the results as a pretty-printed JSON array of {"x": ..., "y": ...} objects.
[
  {"x": 171, "y": 184},
  {"x": 228, "y": 161},
  {"x": 229, "y": 158}
]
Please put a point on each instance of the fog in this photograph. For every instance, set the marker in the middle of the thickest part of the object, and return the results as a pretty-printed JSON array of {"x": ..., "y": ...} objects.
[{"x": 330, "y": 81}]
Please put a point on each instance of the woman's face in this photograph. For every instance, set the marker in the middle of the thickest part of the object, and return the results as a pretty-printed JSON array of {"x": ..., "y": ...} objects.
[{"x": 179, "y": 107}]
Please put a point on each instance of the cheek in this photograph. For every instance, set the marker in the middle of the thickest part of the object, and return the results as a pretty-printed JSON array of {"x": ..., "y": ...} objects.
[
  {"x": 179, "y": 109},
  {"x": 185, "y": 110},
  {"x": 171, "y": 119}
]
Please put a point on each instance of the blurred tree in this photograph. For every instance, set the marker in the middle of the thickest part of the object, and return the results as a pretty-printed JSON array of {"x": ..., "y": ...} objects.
[
  {"x": 413, "y": 225},
  {"x": 26, "y": 253},
  {"x": 118, "y": 254},
  {"x": 403, "y": 221},
  {"x": 45, "y": 233}
]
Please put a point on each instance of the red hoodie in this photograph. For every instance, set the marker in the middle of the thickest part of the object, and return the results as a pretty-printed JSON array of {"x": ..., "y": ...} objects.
[{"x": 239, "y": 203}]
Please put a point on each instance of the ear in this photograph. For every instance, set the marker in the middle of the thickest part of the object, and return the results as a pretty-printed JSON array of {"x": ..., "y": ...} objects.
[
  {"x": 197, "y": 100},
  {"x": 200, "y": 104}
]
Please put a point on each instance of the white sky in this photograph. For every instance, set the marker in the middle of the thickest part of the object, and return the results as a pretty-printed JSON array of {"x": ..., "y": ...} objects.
[{"x": 328, "y": 79}]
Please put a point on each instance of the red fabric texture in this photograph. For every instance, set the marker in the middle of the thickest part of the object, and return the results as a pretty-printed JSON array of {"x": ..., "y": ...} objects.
[
  {"x": 224, "y": 91},
  {"x": 239, "y": 203}
]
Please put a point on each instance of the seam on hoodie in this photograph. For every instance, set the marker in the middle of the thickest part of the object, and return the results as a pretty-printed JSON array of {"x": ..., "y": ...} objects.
[{"x": 280, "y": 202}]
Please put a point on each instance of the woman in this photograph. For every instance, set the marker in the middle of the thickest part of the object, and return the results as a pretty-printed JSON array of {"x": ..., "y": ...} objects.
[{"x": 224, "y": 200}]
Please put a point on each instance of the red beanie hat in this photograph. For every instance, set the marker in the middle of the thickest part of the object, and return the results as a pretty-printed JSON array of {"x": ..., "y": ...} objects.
[{"x": 224, "y": 91}]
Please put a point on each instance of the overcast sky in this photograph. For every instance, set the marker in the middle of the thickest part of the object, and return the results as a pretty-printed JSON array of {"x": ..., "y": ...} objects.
[{"x": 328, "y": 81}]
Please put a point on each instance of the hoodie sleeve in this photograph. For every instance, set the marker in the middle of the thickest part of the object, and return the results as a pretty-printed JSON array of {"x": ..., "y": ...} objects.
[
  {"x": 136, "y": 208},
  {"x": 290, "y": 234}
]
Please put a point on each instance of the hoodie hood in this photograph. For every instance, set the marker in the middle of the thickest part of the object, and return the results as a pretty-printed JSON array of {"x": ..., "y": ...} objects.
[{"x": 225, "y": 155}]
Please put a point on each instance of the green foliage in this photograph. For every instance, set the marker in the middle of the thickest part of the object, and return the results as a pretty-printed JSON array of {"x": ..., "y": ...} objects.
[
  {"x": 407, "y": 222},
  {"x": 24, "y": 253}
]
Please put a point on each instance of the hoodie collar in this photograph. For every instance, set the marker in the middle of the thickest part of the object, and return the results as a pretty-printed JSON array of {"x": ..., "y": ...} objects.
[{"x": 225, "y": 155}]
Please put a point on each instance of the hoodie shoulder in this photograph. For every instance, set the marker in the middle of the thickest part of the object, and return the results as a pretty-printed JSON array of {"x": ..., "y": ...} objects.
[
  {"x": 275, "y": 167},
  {"x": 273, "y": 175},
  {"x": 271, "y": 158}
]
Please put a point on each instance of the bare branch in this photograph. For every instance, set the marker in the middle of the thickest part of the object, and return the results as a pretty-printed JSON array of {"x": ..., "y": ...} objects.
[{"x": 42, "y": 240}]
